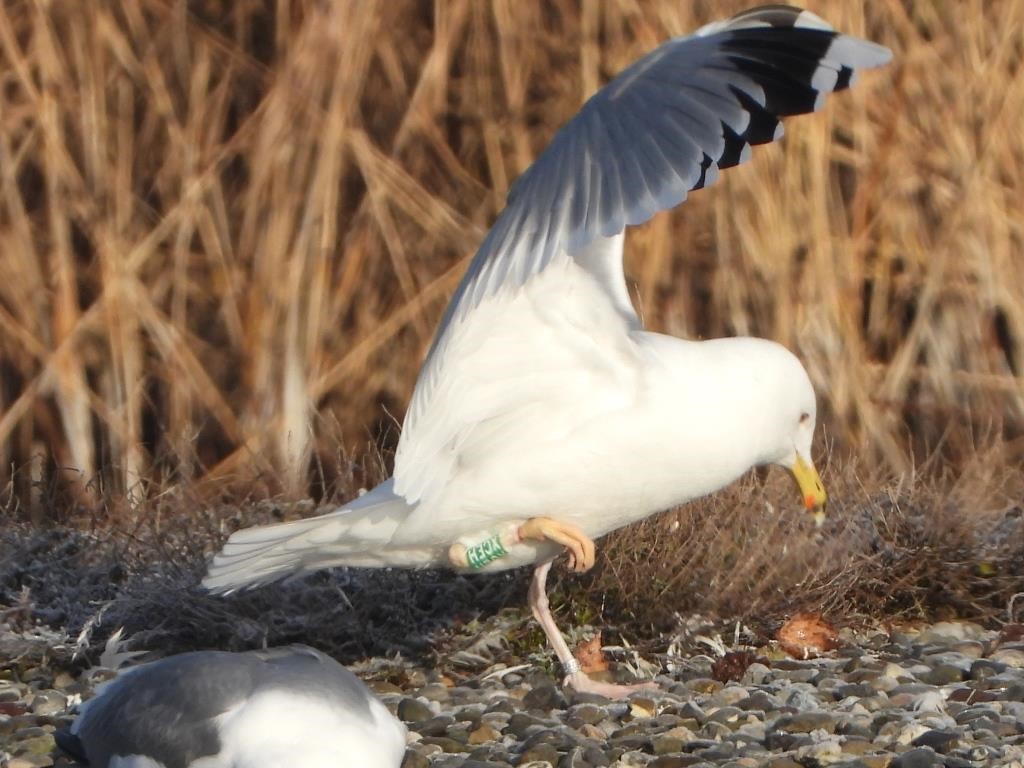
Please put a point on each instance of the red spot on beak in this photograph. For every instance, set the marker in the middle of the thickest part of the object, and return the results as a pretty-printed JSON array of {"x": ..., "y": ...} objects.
[{"x": 809, "y": 501}]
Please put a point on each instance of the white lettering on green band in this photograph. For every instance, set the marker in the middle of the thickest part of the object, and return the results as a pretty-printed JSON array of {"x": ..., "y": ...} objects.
[{"x": 485, "y": 552}]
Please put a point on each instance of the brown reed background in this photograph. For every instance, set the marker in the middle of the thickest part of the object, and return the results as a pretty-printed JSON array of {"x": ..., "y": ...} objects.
[{"x": 227, "y": 229}]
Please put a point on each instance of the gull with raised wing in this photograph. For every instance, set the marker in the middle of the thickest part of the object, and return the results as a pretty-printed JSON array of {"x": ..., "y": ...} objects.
[{"x": 545, "y": 415}]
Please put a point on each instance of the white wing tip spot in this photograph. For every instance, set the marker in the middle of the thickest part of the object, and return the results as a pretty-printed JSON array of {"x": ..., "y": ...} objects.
[
  {"x": 809, "y": 20},
  {"x": 824, "y": 78}
]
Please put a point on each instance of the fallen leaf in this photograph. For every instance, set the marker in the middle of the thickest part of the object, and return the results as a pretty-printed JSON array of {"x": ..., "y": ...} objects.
[
  {"x": 733, "y": 665},
  {"x": 590, "y": 656},
  {"x": 1012, "y": 633},
  {"x": 806, "y": 636}
]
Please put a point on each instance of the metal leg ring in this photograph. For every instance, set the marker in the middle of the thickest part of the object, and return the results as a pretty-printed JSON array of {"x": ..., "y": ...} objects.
[{"x": 571, "y": 667}]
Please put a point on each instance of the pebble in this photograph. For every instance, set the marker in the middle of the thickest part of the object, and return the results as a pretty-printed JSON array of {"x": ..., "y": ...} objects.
[
  {"x": 48, "y": 703},
  {"x": 1011, "y": 657},
  {"x": 412, "y": 710},
  {"x": 948, "y": 695}
]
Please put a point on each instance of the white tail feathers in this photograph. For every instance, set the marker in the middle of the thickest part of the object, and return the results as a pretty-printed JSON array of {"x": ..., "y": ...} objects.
[{"x": 357, "y": 535}]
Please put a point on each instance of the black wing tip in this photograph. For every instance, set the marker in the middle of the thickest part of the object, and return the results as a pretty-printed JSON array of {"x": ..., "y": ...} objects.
[
  {"x": 805, "y": 27},
  {"x": 795, "y": 57},
  {"x": 844, "y": 78}
]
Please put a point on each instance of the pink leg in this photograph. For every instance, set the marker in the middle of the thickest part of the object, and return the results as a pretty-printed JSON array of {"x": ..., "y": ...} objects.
[{"x": 574, "y": 676}]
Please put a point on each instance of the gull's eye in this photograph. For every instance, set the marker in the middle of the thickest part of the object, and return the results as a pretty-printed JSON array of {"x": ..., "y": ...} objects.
[{"x": 804, "y": 417}]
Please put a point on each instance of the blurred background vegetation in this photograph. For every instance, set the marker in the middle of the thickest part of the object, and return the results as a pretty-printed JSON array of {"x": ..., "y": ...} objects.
[{"x": 228, "y": 228}]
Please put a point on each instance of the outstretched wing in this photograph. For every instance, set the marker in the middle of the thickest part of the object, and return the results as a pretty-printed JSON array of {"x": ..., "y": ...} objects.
[{"x": 663, "y": 127}]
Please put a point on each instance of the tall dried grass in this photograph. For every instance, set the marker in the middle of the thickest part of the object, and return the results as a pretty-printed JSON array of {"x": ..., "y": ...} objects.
[{"x": 229, "y": 228}]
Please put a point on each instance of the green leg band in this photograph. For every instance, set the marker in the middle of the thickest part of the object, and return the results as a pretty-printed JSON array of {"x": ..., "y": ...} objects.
[{"x": 487, "y": 551}]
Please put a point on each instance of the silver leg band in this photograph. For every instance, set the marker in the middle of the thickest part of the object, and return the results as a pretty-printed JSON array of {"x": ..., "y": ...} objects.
[{"x": 571, "y": 667}]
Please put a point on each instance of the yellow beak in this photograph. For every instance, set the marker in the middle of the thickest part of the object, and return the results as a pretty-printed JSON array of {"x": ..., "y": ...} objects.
[{"x": 811, "y": 488}]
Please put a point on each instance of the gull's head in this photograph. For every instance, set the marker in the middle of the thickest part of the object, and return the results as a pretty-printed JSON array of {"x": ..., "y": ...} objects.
[
  {"x": 798, "y": 461},
  {"x": 797, "y": 414},
  {"x": 786, "y": 411}
]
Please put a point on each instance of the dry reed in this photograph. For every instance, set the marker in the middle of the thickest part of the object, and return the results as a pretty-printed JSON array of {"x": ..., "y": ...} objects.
[{"x": 229, "y": 228}]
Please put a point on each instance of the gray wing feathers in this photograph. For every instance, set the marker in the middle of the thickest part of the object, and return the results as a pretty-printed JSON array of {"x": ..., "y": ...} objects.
[
  {"x": 664, "y": 126},
  {"x": 165, "y": 710},
  {"x": 644, "y": 136}
]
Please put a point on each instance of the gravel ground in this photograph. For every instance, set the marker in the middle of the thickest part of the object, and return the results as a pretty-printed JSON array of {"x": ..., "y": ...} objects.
[{"x": 946, "y": 694}]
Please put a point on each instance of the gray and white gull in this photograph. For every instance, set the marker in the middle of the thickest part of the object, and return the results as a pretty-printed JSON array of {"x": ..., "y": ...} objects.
[
  {"x": 545, "y": 415},
  {"x": 277, "y": 708}
]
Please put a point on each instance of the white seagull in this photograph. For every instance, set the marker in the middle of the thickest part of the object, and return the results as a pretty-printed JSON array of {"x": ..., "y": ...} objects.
[
  {"x": 212, "y": 709},
  {"x": 545, "y": 415}
]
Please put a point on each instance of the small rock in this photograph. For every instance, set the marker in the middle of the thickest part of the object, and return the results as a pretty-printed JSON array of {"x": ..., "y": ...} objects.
[
  {"x": 446, "y": 744},
  {"x": 940, "y": 741},
  {"x": 944, "y": 674},
  {"x": 642, "y": 708},
  {"x": 972, "y": 648},
  {"x": 545, "y": 697},
  {"x": 857, "y": 690},
  {"x": 1002, "y": 730},
  {"x": 884, "y": 683},
  {"x": 758, "y": 700},
  {"x": 435, "y": 692},
  {"x": 415, "y": 760},
  {"x": 48, "y": 703},
  {"x": 561, "y": 739},
  {"x": 1014, "y": 692},
  {"x": 540, "y": 753},
  {"x": 874, "y": 761},
  {"x": 587, "y": 713},
  {"x": 675, "y": 761},
  {"x": 805, "y": 722},
  {"x": 665, "y": 745},
  {"x": 952, "y": 631},
  {"x": 574, "y": 758},
  {"x": 10, "y": 692},
  {"x": 756, "y": 674},
  {"x": 588, "y": 731},
  {"x": 781, "y": 741},
  {"x": 412, "y": 710},
  {"x": 902, "y": 733},
  {"x": 703, "y": 685},
  {"x": 983, "y": 669},
  {"x": 484, "y": 734},
  {"x": 1011, "y": 657},
  {"x": 921, "y": 757},
  {"x": 435, "y": 726}
]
